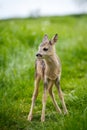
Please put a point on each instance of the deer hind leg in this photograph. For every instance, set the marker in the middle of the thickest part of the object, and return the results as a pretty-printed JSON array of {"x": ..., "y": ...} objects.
[
  {"x": 35, "y": 94},
  {"x": 53, "y": 97},
  {"x": 57, "y": 83}
]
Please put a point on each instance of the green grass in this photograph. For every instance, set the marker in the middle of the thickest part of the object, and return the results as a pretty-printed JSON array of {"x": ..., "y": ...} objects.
[{"x": 19, "y": 40}]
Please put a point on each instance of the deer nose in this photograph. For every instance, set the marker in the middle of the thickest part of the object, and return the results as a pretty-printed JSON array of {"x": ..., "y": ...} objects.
[{"x": 38, "y": 55}]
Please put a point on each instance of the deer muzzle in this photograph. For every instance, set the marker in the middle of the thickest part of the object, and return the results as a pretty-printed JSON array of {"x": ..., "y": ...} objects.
[{"x": 39, "y": 55}]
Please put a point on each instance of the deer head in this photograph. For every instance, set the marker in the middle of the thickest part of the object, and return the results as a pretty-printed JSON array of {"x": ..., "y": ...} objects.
[{"x": 47, "y": 47}]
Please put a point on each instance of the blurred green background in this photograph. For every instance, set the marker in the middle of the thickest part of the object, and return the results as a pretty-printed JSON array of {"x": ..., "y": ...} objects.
[{"x": 19, "y": 41}]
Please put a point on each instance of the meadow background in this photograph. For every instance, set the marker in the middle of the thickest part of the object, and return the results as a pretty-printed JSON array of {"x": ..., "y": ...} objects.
[{"x": 19, "y": 41}]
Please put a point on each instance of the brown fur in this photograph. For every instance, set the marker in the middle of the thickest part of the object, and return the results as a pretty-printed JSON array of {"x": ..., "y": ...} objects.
[{"x": 48, "y": 68}]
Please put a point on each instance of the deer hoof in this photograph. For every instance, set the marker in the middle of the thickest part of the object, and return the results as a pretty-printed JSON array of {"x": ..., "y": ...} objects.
[
  {"x": 42, "y": 119},
  {"x": 66, "y": 112},
  {"x": 29, "y": 118}
]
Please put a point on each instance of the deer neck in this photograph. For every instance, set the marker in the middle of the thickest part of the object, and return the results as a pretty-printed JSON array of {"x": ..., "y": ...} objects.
[
  {"x": 52, "y": 67},
  {"x": 51, "y": 60}
]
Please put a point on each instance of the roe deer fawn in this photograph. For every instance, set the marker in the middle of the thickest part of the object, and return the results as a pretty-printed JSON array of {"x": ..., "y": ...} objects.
[{"x": 48, "y": 68}]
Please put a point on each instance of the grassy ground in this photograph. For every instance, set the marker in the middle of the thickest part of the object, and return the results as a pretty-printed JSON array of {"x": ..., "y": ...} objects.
[{"x": 19, "y": 40}]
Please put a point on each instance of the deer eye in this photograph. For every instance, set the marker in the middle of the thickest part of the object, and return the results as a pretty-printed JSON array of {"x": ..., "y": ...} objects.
[{"x": 45, "y": 49}]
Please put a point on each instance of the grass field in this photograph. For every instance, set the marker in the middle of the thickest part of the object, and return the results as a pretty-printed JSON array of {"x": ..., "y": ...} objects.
[{"x": 19, "y": 40}]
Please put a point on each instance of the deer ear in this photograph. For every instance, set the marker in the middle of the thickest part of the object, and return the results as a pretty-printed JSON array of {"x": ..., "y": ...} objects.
[
  {"x": 45, "y": 38},
  {"x": 54, "y": 39}
]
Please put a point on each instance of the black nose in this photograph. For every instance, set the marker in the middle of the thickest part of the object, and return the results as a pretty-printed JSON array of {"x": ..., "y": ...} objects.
[{"x": 38, "y": 55}]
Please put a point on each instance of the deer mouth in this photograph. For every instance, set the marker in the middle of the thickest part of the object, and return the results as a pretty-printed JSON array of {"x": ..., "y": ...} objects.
[{"x": 39, "y": 55}]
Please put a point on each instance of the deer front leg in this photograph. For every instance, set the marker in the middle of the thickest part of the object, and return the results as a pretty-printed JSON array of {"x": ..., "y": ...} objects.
[
  {"x": 57, "y": 83},
  {"x": 44, "y": 98},
  {"x": 35, "y": 94}
]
